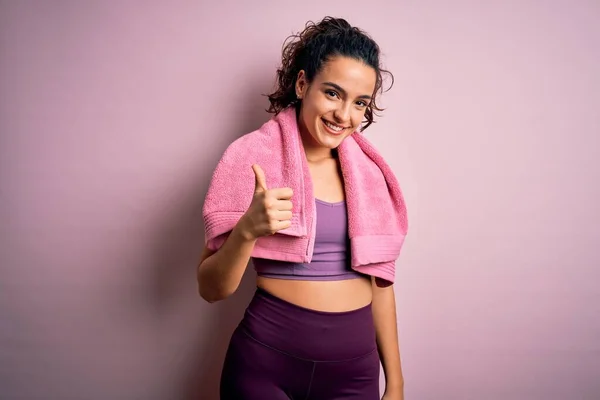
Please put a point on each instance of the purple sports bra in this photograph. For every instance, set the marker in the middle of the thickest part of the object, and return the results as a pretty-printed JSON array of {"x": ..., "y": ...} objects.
[{"x": 330, "y": 260}]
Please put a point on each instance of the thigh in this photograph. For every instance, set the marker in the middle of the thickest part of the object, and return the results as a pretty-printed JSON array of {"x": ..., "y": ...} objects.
[
  {"x": 356, "y": 379},
  {"x": 253, "y": 371}
]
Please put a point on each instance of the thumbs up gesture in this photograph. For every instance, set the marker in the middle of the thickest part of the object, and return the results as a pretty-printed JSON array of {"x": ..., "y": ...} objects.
[{"x": 270, "y": 210}]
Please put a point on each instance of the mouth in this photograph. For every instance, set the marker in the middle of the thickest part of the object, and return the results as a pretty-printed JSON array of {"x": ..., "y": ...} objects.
[{"x": 333, "y": 128}]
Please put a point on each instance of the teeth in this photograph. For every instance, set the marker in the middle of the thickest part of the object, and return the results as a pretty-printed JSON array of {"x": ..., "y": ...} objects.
[{"x": 334, "y": 127}]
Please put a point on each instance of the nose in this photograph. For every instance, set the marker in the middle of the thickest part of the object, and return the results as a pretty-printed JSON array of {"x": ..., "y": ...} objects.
[{"x": 342, "y": 114}]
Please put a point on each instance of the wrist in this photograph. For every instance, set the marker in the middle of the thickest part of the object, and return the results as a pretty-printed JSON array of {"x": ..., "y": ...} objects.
[
  {"x": 394, "y": 385},
  {"x": 243, "y": 231}
]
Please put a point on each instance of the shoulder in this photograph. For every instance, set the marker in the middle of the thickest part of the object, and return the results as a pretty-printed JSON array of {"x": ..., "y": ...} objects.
[{"x": 258, "y": 143}]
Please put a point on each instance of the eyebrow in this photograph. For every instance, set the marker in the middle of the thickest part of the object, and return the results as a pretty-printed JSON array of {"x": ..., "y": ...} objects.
[{"x": 339, "y": 88}]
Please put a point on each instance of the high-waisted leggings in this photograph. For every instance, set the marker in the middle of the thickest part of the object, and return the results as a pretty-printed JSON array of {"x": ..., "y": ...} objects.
[{"x": 282, "y": 351}]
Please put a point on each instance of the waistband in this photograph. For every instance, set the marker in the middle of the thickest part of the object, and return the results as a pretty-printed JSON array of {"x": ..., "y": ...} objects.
[{"x": 309, "y": 334}]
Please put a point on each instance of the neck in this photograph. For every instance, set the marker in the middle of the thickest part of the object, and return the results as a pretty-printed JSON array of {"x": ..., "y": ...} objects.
[{"x": 315, "y": 153}]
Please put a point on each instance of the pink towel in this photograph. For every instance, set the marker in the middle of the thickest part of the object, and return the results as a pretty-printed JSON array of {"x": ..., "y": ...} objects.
[{"x": 377, "y": 220}]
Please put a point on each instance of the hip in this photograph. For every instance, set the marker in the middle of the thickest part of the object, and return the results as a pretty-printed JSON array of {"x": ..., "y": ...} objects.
[{"x": 306, "y": 333}]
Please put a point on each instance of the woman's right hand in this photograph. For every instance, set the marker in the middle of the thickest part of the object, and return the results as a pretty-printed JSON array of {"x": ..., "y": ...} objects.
[{"x": 270, "y": 210}]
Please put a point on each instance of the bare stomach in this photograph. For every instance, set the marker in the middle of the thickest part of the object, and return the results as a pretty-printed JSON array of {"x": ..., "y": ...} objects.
[{"x": 330, "y": 296}]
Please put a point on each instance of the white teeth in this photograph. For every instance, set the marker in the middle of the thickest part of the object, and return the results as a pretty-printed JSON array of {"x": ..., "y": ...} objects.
[{"x": 334, "y": 127}]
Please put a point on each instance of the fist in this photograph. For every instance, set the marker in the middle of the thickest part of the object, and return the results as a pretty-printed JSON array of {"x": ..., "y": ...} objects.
[{"x": 270, "y": 210}]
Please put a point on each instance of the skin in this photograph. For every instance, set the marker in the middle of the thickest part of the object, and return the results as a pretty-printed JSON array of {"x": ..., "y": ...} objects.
[{"x": 339, "y": 94}]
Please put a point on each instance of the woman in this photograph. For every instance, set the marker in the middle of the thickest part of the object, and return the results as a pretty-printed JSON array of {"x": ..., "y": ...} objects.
[{"x": 314, "y": 330}]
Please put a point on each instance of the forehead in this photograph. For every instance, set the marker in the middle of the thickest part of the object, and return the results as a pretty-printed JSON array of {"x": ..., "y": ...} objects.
[{"x": 352, "y": 75}]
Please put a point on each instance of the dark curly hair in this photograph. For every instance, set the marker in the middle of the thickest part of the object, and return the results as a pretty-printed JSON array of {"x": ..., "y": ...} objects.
[{"x": 318, "y": 43}]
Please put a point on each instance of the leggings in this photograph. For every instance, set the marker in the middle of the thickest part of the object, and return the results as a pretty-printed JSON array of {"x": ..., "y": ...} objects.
[{"x": 282, "y": 351}]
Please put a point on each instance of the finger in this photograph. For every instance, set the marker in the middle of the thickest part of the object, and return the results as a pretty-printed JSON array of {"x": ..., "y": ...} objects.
[
  {"x": 282, "y": 225},
  {"x": 282, "y": 215},
  {"x": 282, "y": 193},
  {"x": 261, "y": 180},
  {"x": 283, "y": 205}
]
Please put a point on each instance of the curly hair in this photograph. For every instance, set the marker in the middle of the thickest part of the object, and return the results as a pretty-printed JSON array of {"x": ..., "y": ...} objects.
[{"x": 318, "y": 43}]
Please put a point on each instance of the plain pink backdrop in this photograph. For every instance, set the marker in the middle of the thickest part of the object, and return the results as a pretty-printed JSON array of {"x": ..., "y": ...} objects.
[{"x": 113, "y": 115}]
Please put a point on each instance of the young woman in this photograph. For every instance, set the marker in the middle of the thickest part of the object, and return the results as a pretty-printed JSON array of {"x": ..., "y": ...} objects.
[{"x": 313, "y": 330}]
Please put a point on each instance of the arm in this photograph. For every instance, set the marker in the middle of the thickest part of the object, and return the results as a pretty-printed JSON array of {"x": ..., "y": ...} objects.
[
  {"x": 384, "y": 316},
  {"x": 220, "y": 273}
]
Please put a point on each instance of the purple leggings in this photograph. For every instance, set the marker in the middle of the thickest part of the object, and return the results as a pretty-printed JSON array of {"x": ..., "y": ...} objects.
[{"x": 283, "y": 351}]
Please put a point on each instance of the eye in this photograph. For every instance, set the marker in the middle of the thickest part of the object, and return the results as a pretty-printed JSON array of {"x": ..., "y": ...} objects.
[
  {"x": 361, "y": 103},
  {"x": 331, "y": 93}
]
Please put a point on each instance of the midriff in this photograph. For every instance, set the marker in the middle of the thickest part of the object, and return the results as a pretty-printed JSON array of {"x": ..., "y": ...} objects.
[{"x": 329, "y": 296}]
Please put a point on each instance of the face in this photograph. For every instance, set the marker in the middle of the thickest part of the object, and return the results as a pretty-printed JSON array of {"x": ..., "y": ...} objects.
[{"x": 334, "y": 103}]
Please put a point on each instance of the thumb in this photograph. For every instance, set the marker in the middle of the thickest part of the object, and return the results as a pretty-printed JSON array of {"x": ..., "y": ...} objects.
[{"x": 261, "y": 181}]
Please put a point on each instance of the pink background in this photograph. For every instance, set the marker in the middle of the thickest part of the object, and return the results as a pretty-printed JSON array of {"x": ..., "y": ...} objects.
[{"x": 113, "y": 114}]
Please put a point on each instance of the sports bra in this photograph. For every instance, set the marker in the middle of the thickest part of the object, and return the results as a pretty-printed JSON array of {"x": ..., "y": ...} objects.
[{"x": 331, "y": 256}]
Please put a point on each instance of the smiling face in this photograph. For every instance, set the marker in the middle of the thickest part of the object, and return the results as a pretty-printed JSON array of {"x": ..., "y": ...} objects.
[{"x": 334, "y": 103}]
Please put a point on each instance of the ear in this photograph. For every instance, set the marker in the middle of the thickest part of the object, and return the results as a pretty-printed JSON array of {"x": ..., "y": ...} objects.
[{"x": 301, "y": 84}]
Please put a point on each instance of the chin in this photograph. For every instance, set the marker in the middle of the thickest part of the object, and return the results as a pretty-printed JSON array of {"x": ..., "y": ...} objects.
[{"x": 328, "y": 139}]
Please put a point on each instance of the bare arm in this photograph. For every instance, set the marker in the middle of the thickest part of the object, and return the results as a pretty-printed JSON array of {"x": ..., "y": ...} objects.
[
  {"x": 384, "y": 316},
  {"x": 220, "y": 273}
]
